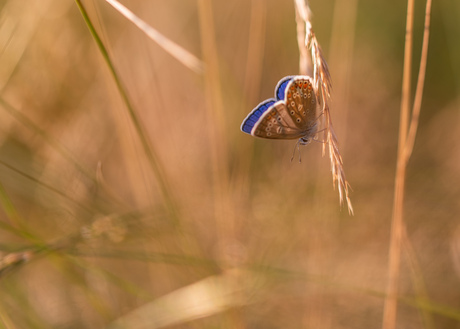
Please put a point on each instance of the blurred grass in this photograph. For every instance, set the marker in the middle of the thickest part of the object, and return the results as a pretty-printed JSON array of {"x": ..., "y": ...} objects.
[{"x": 301, "y": 260}]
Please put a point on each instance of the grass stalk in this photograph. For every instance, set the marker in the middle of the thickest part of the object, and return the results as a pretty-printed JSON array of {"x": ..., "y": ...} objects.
[
  {"x": 216, "y": 118},
  {"x": 252, "y": 80},
  {"x": 405, "y": 147},
  {"x": 47, "y": 186},
  {"x": 420, "y": 84},
  {"x": 302, "y": 17},
  {"x": 391, "y": 302},
  {"x": 323, "y": 86},
  {"x": 150, "y": 152},
  {"x": 256, "y": 46}
]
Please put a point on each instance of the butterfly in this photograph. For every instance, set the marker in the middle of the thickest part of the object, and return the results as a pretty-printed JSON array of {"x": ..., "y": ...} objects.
[{"x": 290, "y": 115}]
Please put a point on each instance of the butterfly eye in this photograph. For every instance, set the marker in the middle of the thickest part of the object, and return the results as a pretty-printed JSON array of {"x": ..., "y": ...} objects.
[
  {"x": 292, "y": 112},
  {"x": 278, "y": 118},
  {"x": 304, "y": 113},
  {"x": 267, "y": 129},
  {"x": 292, "y": 103},
  {"x": 269, "y": 134},
  {"x": 298, "y": 120}
]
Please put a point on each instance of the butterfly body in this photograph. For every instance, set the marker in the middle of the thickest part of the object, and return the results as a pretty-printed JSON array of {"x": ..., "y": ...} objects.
[{"x": 291, "y": 115}]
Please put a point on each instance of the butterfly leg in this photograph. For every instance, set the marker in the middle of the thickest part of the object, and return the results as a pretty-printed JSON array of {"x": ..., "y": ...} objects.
[
  {"x": 297, "y": 145},
  {"x": 315, "y": 138}
]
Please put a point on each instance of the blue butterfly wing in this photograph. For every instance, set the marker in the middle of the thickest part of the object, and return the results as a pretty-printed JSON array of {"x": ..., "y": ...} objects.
[
  {"x": 281, "y": 87},
  {"x": 291, "y": 115},
  {"x": 255, "y": 115},
  {"x": 277, "y": 123}
]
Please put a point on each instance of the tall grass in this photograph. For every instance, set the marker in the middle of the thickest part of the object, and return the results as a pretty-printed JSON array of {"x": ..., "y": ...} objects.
[
  {"x": 405, "y": 147},
  {"x": 130, "y": 199}
]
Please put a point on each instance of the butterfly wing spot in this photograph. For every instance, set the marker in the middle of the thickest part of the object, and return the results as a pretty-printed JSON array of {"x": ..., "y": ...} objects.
[{"x": 290, "y": 115}]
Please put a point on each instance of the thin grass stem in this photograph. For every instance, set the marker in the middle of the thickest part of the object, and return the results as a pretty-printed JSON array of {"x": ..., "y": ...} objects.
[
  {"x": 256, "y": 45},
  {"x": 302, "y": 17},
  {"x": 150, "y": 152},
  {"x": 420, "y": 84},
  {"x": 47, "y": 186},
  {"x": 405, "y": 146},
  {"x": 397, "y": 225},
  {"x": 216, "y": 116},
  {"x": 60, "y": 149},
  {"x": 176, "y": 51}
]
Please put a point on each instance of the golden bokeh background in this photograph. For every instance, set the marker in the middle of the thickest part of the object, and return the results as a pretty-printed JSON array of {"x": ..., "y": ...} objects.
[{"x": 93, "y": 231}]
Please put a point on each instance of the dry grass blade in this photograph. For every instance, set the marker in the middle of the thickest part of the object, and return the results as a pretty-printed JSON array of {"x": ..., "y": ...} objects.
[
  {"x": 210, "y": 296},
  {"x": 179, "y": 53},
  {"x": 323, "y": 87}
]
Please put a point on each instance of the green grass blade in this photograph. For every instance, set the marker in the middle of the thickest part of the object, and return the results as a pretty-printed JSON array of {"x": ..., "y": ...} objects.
[{"x": 150, "y": 152}]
